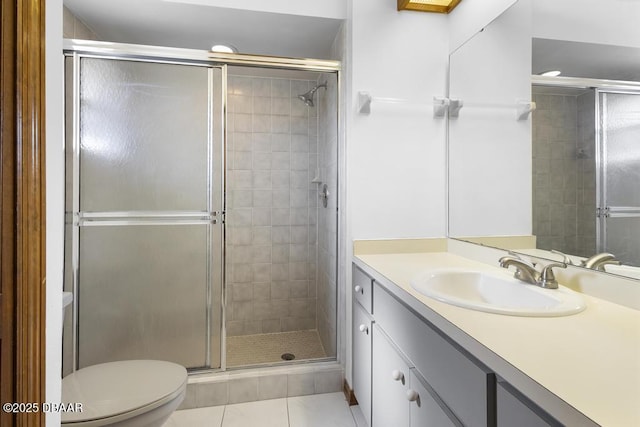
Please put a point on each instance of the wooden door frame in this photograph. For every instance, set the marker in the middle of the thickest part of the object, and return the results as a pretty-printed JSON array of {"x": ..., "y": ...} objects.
[{"x": 22, "y": 199}]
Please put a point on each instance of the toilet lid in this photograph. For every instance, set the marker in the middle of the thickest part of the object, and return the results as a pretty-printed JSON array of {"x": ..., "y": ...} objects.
[{"x": 113, "y": 388}]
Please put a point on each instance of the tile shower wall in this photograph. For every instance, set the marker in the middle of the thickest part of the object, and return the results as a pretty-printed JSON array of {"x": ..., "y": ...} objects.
[
  {"x": 564, "y": 177},
  {"x": 586, "y": 145},
  {"x": 327, "y": 216},
  {"x": 271, "y": 221}
]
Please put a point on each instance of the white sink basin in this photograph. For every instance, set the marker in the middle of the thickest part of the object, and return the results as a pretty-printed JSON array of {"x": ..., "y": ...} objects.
[{"x": 495, "y": 293}]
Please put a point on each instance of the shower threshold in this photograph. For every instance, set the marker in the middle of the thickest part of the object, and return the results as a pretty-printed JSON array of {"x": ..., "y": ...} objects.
[{"x": 274, "y": 348}]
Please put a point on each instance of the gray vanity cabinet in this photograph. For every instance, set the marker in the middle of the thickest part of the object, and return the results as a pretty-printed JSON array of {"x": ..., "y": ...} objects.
[
  {"x": 361, "y": 333},
  {"x": 465, "y": 385},
  {"x": 408, "y": 373},
  {"x": 426, "y": 409},
  {"x": 362, "y": 289},
  {"x": 515, "y": 409},
  {"x": 390, "y": 380},
  {"x": 400, "y": 396}
]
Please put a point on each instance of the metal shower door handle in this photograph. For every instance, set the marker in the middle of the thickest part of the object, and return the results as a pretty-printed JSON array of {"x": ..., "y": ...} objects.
[{"x": 324, "y": 195}]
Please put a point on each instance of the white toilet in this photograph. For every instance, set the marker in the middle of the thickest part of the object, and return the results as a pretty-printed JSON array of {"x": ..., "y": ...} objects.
[{"x": 132, "y": 393}]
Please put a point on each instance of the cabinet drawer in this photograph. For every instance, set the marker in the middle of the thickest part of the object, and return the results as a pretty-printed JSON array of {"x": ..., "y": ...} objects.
[
  {"x": 362, "y": 289},
  {"x": 361, "y": 332},
  {"x": 465, "y": 386},
  {"x": 515, "y": 409}
]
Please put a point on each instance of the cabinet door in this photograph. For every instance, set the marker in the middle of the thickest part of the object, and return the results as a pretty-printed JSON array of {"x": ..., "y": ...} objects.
[
  {"x": 426, "y": 408},
  {"x": 466, "y": 386},
  {"x": 361, "y": 333},
  {"x": 390, "y": 383}
]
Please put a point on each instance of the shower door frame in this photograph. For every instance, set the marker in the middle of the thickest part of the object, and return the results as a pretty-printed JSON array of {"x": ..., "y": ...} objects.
[
  {"x": 108, "y": 50},
  {"x": 212, "y": 218},
  {"x": 603, "y": 210}
]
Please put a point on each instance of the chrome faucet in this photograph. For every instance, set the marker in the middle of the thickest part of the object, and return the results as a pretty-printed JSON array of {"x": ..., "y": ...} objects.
[
  {"x": 524, "y": 270},
  {"x": 565, "y": 258},
  {"x": 528, "y": 273},
  {"x": 598, "y": 261}
]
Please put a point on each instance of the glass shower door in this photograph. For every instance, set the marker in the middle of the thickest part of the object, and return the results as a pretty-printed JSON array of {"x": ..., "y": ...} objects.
[
  {"x": 619, "y": 194},
  {"x": 146, "y": 193}
]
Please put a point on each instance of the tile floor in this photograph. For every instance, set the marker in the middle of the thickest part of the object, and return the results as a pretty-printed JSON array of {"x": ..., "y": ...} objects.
[
  {"x": 319, "y": 410},
  {"x": 244, "y": 350}
]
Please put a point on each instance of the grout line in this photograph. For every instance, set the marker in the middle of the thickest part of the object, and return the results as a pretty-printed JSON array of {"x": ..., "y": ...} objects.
[
  {"x": 288, "y": 416},
  {"x": 224, "y": 411}
]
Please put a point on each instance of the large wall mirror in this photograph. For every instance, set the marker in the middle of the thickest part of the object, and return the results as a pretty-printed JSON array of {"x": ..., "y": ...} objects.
[{"x": 568, "y": 172}]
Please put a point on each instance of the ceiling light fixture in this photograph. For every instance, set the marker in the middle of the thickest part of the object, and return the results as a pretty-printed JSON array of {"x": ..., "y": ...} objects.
[
  {"x": 552, "y": 73},
  {"x": 223, "y": 48},
  {"x": 439, "y": 6}
]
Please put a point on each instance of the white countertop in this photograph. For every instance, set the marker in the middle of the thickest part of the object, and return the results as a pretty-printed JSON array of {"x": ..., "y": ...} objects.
[{"x": 590, "y": 360}]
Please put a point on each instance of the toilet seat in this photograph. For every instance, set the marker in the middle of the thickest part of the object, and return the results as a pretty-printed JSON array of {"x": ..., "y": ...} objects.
[{"x": 116, "y": 391}]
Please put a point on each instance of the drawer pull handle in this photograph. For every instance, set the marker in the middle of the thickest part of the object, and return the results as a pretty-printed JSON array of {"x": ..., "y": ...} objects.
[
  {"x": 363, "y": 328},
  {"x": 412, "y": 395},
  {"x": 397, "y": 375},
  {"x": 358, "y": 288}
]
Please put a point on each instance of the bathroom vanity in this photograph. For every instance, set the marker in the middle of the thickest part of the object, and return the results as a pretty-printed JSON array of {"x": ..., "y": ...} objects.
[{"x": 420, "y": 361}]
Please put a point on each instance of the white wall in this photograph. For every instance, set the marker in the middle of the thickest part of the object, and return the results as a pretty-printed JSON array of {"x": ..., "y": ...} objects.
[
  {"x": 394, "y": 164},
  {"x": 469, "y": 17},
  {"x": 613, "y": 22},
  {"x": 396, "y": 155},
  {"x": 336, "y": 9},
  {"x": 55, "y": 203},
  {"x": 489, "y": 150}
]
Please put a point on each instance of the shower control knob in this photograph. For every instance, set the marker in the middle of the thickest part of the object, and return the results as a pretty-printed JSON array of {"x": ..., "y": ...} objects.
[
  {"x": 363, "y": 328},
  {"x": 412, "y": 395},
  {"x": 397, "y": 375},
  {"x": 358, "y": 288}
]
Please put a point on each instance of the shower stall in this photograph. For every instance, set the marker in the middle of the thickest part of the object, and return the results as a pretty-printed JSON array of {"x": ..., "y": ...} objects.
[
  {"x": 196, "y": 230},
  {"x": 586, "y": 157},
  {"x": 280, "y": 238}
]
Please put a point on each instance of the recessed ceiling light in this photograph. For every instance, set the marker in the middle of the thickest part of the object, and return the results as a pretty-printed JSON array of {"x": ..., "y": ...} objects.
[
  {"x": 552, "y": 73},
  {"x": 440, "y": 6},
  {"x": 223, "y": 48}
]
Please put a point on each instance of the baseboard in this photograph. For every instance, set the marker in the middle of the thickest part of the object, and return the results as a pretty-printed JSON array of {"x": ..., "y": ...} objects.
[{"x": 349, "y": 395}]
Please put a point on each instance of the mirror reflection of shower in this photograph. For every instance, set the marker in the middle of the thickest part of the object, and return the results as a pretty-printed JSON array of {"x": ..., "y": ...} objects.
[
  {"x": 585, "y": 170},
  {"x": 307, "y": 97}
]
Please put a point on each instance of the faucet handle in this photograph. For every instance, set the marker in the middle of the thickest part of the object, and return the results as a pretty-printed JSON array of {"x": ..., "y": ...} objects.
[
  {"x": 528, "y": 261},
  {"x": 515, "y": 256},
  {"x": 565, "y": 257},
  {"x": 547, "y": 278}
]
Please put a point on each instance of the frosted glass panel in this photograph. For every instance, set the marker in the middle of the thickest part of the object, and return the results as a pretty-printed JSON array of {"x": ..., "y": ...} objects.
[
  {"x": 623, "y": 239},
  {"x": 621, "y": 134},
  {"x": 143, "y": 136},
  {"x": 142, "y": 293}
]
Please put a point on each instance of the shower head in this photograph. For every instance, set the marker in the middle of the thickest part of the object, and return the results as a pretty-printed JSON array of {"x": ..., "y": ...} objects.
[{"x": 307, "y": 98}]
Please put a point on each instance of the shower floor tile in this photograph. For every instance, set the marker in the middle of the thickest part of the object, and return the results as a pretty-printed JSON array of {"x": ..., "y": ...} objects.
[{"x": 246, "y": 350}]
